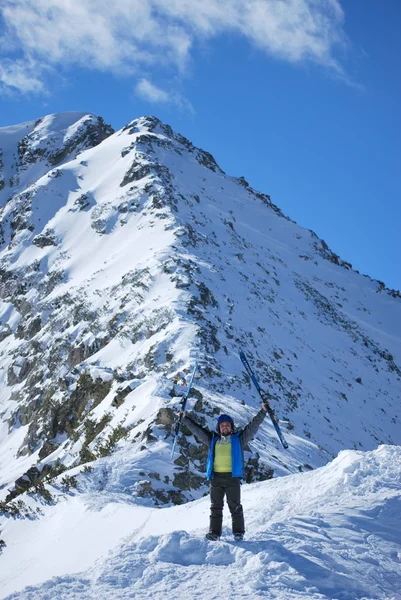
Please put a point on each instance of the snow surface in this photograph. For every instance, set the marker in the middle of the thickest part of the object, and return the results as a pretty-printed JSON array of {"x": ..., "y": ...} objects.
[
  {"x": 332, "y": 533},
  {"x": 184, "y": 262}
]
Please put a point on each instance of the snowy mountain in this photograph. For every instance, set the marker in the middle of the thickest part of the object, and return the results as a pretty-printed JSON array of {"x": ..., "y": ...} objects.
[{"x": 124, "y": 257}]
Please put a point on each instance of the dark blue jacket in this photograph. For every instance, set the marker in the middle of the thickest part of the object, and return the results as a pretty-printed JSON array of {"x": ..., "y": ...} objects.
[{"x": 239, "y": 439}]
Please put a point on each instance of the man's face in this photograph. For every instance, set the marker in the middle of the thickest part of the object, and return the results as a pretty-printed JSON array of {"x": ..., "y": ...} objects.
[{"x": 225, "y": 428}]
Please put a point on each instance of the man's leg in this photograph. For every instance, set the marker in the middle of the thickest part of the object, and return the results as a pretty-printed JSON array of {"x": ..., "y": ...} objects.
[
  {"x": 217, "y": 491},
  {"x": 233, "y": 491}
]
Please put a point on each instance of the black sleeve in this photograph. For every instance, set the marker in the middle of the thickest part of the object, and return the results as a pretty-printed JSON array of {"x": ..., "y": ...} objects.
[
  {"x": 250, "y": 430},
  {"x": 201, "y": 433}
]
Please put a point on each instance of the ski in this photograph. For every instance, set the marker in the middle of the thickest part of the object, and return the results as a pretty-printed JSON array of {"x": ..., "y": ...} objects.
[
  {"x": 184, "y": 403},
  {"x": 263, "y": 395}
]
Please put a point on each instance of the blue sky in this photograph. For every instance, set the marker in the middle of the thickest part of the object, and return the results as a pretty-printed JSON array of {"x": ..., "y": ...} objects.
[{"x": 301, "y": 97}]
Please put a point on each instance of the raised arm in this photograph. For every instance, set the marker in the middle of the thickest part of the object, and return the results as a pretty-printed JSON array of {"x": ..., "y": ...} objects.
[
  {"x": 250, "y": 430},
  {"x": 202, "y": 434}
]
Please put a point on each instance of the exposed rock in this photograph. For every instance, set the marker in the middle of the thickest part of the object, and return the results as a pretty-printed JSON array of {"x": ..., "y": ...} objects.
[
  {"x": 165, "y": 416},
  {"x": 186, "y": 480},
  {"x": 137, "y": 171},
  {"x": 30, "y": 477},
  {"x": 120, "y": 395},
  {"x": 5, "y": 331},
  {"x": 255, "y": 471},
  {"x": 92, "y": 132},
  {"x": 76, "y": 355},
  {"x": 47, "y": 448},
  {"x": 44, "y": 239},
  {"x": 83, "y": 202}
]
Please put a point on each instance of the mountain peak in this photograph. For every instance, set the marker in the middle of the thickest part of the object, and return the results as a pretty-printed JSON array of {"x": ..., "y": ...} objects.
[
  {"x": 123, "y": 258},
  {"x": 29, "y": 149},
  {"x": 164, "y": 135}
]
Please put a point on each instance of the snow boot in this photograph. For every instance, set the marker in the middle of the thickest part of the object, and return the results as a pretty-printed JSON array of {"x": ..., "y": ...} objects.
[
  {"x": 238, "y": 537},
  {"x": 211, "y": 536}
]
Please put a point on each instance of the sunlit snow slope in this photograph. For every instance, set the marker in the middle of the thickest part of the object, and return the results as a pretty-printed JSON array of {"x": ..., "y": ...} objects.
[{"x": 334, "y": 533}]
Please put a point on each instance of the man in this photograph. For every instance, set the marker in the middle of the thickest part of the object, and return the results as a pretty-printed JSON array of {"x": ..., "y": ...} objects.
[{"x": 225, "y": 468}]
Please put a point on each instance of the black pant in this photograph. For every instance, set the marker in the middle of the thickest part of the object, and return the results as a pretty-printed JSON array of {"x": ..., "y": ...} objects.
[{"x": 222, "y": 485}]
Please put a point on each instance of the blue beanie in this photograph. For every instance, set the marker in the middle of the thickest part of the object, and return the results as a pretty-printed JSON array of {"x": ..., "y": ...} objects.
[{"x": 223, "y": 418}]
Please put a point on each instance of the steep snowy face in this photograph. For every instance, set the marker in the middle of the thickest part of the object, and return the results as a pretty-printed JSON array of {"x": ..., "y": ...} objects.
[
  {"x": 125, "y": 260},
  {"x": 29, "y": 150}
]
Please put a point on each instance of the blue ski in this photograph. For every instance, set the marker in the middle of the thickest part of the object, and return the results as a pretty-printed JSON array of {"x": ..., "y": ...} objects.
[
  {"x": 184, "y": 403},
  {"x": 263, "y": 395}
]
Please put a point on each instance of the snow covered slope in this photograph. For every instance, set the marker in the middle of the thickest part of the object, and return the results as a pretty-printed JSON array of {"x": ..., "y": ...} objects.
[
  {"x": 334, "y": 533},
  {"x": 126, "y": 256},
  {"x": 28, "y": 150}
]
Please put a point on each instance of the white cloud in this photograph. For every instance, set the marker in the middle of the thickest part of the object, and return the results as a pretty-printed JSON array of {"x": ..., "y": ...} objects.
[
  {"x": 148, "y": 91},
  {"x": 20, "y": 75},
  {"x": 131, "y": 36}
]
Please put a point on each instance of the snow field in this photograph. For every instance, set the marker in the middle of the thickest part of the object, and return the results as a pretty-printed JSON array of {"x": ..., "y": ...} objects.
[{"x": 333, "y": 533}]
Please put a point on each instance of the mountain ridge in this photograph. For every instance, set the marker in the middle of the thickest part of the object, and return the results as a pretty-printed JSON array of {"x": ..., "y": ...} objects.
[{"x": 133, "y": 256}]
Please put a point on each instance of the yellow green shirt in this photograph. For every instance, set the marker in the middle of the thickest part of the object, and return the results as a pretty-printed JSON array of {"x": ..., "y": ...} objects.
[{"x": 222, "y": 456}]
